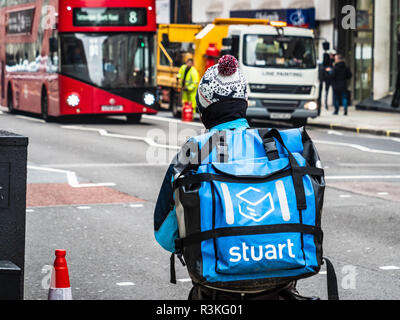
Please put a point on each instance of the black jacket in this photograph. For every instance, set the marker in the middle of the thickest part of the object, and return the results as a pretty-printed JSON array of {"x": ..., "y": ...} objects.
[
  {"x": 340, "y": 75},
  {"x": 327, "y": 63}
]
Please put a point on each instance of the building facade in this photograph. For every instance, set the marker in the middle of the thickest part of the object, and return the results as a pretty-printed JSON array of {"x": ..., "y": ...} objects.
[
  {"x": 365, "y": 31},
  {"x": 371, "y": 48}
]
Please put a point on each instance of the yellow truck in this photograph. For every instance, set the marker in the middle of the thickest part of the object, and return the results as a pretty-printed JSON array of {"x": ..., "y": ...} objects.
[
  {"x": 178, "y": 42},
  {"x": 279, "y": 63}
]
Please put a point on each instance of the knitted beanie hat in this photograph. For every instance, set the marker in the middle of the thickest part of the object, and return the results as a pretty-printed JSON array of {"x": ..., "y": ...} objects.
[{"x": 223, "y": 81}]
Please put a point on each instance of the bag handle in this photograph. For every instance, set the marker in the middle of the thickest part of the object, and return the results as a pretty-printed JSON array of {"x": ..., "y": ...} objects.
[{"x": 266, "y": 135}]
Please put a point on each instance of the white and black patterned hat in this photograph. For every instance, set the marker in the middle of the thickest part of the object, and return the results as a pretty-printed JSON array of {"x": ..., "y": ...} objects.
[{"x": 223, "y": 81}]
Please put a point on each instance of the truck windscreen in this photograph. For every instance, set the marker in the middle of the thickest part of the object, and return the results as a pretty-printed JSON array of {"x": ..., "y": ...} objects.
[
  {"x": 110, "y": 61},
  {"x": 267, "y": 51}
]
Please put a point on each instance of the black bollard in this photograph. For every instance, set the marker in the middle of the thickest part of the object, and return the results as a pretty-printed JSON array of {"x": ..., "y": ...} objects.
[{"x": 13, "y": 175}]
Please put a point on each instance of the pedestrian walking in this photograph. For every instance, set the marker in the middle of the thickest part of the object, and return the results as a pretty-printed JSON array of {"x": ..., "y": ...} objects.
[
  {"x": 340, "y": 74},
  {"x": 324, "y": 79},
  {"x": 191, "y": 201},
  {"x": 189, "y": 78}
]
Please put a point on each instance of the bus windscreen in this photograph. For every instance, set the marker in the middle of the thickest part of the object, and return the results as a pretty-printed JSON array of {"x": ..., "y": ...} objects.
[
  {"x": 108, "y": 60},
  {"x": 109, "y": 17}
]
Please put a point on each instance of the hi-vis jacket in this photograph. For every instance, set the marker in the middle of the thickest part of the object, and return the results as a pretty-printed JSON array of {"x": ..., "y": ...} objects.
[
  {"x": 191, "y": 82},
  {"x": 192, "y": 78}
]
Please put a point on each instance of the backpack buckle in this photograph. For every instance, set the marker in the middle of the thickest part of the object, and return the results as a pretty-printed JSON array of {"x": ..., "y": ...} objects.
[
  {"x": 180, "y": 257},
  {"x": 270, "y": 149}
]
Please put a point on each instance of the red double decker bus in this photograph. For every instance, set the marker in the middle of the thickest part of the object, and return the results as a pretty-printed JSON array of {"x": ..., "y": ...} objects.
[{"x": 76, "y": 57}]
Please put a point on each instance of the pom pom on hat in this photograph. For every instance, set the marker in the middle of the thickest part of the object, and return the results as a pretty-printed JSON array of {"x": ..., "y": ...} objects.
[
  {"x": 223, "y": 81},
  {"x": 227, "y": 65}
]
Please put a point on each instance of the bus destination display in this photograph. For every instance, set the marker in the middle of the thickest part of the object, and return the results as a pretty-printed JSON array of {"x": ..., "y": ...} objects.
[
  {"x": 110, "y": 17},
  {"x": 20, "y": 21}
]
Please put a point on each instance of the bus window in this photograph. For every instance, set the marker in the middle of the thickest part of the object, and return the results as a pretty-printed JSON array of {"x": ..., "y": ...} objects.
[{"x": 108, "y": 61}]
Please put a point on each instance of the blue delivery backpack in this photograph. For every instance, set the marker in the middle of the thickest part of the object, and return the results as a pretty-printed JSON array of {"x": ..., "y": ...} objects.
[{"x": 248, "y": 205}]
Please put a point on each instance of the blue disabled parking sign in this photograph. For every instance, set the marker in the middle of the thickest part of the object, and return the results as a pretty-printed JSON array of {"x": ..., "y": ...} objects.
[{"x": 302, "y": 18}]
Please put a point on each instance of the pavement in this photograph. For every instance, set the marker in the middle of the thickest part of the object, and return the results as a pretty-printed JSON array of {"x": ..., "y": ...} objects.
[{"x": 360, "y": 121}]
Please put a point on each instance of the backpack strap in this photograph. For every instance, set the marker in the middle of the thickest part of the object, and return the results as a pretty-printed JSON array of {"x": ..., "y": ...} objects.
[
  {"x": 189, "y": 240},
  {"x": 297, "y": 171},
  {"x": 333, "y": 293},
  {"x": 178, "y": 252}
]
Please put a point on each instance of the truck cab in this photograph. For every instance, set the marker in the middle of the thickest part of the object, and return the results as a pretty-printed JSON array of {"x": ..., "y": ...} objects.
[
  {"x": 279, "y": 63},
  {"x": 281, "y": 68}
]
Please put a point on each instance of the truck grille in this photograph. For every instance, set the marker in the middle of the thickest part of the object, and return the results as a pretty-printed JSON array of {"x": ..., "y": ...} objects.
[
  {"x": 281, "y": 106},
  {"x": 280, "y": 89}
]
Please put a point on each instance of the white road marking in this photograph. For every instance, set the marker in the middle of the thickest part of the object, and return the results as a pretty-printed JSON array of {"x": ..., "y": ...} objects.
[
  {"x": 108, "y": 165},
  {"x": 196, "y": 124},
  {"x": 152, "y": 143},
  {"x": 31, "y": 119},
  {"x": 361, "y": 177},
  {"x": 358, "y": 147},
  {"x": 366, "y": 136},
  {"x": 84, "y": 208},
  {"x": 389, "y": 268},
  {"x": 72, "y": 178},
  {"x": 184, "y": 280},
  {"x": 30, "y": 210},
  {"x": 105, "y": 133},
  {"x": 336, "y": 133},
  {"x": 369, "y": 165},
  {"x": 345, "y": 196},
  {"x": 383, "y": 193},
  {"x": 124, "y": 284},
  {"x": 136, "y": 205}
]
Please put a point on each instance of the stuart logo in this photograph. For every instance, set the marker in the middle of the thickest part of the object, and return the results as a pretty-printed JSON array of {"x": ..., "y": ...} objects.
[
  {"x": 254, "y": 204},
  {"x": 268, "y": 252},
  {"x": 250, "y": 199}
]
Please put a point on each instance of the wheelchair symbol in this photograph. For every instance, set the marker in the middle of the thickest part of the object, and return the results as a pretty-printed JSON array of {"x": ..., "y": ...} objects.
[{"x": 297, "y": 18}]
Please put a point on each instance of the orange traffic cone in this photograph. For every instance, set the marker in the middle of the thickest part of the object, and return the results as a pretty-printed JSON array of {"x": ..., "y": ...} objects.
[{"x": 60, "y": 288}]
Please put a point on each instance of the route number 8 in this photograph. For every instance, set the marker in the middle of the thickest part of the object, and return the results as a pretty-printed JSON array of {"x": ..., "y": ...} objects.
[{"x": 133, "y": 19}]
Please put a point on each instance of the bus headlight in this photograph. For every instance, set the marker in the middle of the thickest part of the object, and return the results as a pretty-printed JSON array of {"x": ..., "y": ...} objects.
[
  {"x": 73, "y": 100},
  {"x": 149, "y": 98},
  {"x": 312, "y": 106}
]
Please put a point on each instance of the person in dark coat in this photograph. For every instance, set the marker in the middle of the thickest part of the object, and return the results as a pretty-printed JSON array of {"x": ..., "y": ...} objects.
[
  {"x": 324, "y": 79},
  {"x": 340, "y": 74}
]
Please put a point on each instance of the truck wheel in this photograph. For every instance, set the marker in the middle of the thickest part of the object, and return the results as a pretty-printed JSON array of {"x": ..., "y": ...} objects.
[
  {"x": 177, "y": 114},
  {"x": 298, "y": 123},
  {"x": 175, "y": 97},
  {"x": 134, "y": 118},
  {"x": 10, "y": 101}
]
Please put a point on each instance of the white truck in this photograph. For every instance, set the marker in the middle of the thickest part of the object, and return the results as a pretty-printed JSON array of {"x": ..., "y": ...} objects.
[{"x": 280, "y": 65}]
